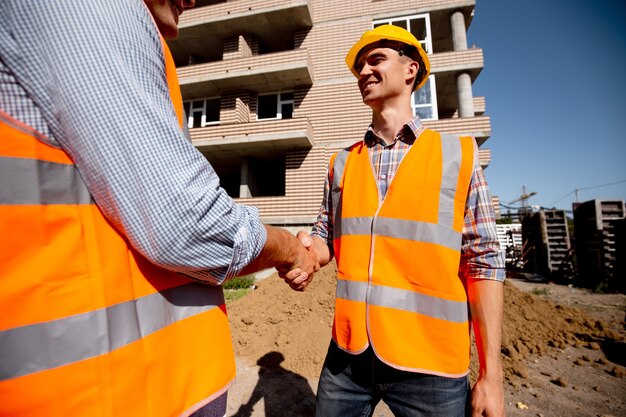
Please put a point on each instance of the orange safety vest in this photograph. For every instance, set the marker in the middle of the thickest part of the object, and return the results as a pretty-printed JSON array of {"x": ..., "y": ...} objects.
[
  {"x": 88, "y": 326},
  {"x": 398, "y": 258}
]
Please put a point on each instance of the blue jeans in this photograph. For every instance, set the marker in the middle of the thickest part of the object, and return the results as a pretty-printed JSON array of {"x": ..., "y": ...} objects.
[
  {"x": 216, "y": 408},
  {"x": 352, "y": 385}
]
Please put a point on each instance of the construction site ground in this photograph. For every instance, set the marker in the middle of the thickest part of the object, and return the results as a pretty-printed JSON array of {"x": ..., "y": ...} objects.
[{"x": 564, "y": 349}]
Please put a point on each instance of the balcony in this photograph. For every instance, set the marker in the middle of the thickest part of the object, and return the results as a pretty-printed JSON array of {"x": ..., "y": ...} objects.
[
  {"x": 439, "y": 11},
  {"x": 228, "y": 142},
  {"x": 259, "y": 73},
  {"x": 446, "y": 66},
  {"x": 479, "y": 106},
  {"x": 484, "y": 157},
  {"x": 479, "y": 109},
  {"x": 470, "y": 60},
  {"x": 273, "y": 22},
  {"x": 479, "y": 127}
]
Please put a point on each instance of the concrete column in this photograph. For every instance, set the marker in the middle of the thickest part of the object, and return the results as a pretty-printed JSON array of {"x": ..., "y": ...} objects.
[
  {"x": 244, "y": 186},
  {"x": 464, "y": 95},
  {"x": 459, "y": 33}
]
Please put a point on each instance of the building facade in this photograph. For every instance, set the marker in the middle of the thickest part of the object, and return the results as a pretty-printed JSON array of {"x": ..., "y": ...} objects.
[
  {"x": 509, "y": 234},
  {"x": 269, "y": 98}
]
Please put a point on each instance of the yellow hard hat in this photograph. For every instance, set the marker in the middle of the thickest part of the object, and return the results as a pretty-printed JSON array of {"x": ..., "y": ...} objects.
[{"x": 390, "y": 33}]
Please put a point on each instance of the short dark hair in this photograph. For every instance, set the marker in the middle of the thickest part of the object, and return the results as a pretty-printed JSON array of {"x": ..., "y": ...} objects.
[{"x": 411, "y": 52}]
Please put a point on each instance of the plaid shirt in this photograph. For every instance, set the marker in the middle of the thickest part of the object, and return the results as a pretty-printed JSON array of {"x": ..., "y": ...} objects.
[{"x": 481, "y": 257}]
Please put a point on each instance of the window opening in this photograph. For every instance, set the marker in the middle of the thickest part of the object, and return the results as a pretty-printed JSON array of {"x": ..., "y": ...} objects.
[
  {"x": 418, "y": 25},
  {"x": 203, "y": 112},
  {"x": 424, "y": 101},
  {"x": 275, "y": 106}
]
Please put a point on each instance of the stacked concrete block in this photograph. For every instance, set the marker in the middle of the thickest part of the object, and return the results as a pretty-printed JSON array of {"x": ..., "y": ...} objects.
[
  {"x": 546, "y": 244},
  {"x": 599, "y": 239}
]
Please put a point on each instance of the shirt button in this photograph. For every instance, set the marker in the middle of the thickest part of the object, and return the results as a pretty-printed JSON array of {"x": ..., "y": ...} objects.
[{"x": 383, "y": 176}]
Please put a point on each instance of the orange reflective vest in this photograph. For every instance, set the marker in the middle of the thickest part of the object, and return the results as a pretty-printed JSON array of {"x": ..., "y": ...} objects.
[
  {"x": 88, "y": 326},
  {"x": 398, "y": 258}
]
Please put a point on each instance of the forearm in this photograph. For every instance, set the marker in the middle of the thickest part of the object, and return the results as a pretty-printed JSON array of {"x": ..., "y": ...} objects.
[
  {"x": 278, "y": 252},
  {"x": 486, "y": 305},
  {"x": 486, "y": 300},
  {"x": 322, "y": 231}
]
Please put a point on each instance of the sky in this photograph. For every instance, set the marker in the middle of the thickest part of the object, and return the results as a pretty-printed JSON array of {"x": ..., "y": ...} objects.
[{"x": 554, "y": 81}]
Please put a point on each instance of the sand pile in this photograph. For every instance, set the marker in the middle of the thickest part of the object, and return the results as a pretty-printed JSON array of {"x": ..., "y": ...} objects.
[
  {"x": 273, "y": 318},
  {"x": 534, "y": 326}
]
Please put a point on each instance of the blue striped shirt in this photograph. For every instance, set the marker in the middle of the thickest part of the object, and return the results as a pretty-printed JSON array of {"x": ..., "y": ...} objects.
[
  {"x": 481, "y": 256},
  {"x": 91, "y": 77}
]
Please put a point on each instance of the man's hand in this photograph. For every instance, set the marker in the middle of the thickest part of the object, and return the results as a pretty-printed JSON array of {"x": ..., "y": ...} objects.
[
  {"x": 299, "y": 274},
  {"x": 286, "y": 253},
  {"x": 487, "y": 398},
  {"x": 315, "y": 246}
]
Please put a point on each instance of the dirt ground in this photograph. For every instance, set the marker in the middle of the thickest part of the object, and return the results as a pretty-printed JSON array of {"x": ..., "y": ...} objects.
[{"x": 564, "y": 349}]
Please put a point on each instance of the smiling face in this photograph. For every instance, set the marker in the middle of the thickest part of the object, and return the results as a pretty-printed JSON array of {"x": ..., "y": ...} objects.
[
  {"x": 384, "y": 75},
  {"x": 166, "y": 14}
]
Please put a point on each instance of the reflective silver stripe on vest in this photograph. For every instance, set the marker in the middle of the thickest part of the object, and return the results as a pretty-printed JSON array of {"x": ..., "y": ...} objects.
[
  {"x": 38, "y": 347},
  {"x": 356, "y": 226},
  {"x": 440, "y": 233},
  {"x": 339, "y": 167},
  {"x": 451, "y": 168},
  {"x": 402, "y": 229},
  {"x": 453, "y": 311},
  {"x": 26, "y": 181},
  {"x": 351, "y": 290}
]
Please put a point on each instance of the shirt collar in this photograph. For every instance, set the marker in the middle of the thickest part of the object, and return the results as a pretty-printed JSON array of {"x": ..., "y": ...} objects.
[{"x": 407, "y": 134}]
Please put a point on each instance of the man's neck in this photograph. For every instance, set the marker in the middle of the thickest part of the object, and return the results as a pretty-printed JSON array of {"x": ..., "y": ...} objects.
[{"x": 387, "y": 122}]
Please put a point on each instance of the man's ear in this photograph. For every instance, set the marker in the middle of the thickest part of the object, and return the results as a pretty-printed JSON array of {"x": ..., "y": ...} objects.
[{"x": 411, "y": 71}]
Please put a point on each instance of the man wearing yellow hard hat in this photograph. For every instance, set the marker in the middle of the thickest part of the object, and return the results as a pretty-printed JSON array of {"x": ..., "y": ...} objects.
[{"x": 407, "y": 214}]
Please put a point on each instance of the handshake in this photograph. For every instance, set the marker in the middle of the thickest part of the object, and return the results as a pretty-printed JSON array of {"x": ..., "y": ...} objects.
[
  {"x": 309, "y": 254},
  {"x": 296, "y": 258}
]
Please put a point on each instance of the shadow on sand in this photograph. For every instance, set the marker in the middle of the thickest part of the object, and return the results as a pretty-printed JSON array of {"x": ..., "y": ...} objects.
[{"x": 284, "y": 393}]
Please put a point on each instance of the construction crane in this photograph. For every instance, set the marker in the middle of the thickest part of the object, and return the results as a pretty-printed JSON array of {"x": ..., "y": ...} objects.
[{"x": 524, "y": 198}]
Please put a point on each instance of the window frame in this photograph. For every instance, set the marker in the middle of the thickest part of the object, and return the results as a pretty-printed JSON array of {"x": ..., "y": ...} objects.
[
  {"x": 280, "y": 101},
  {"x": 426, "y": 43},
  {"x": 203, "y": 110},
  {"x": 433, "y": 100}
]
